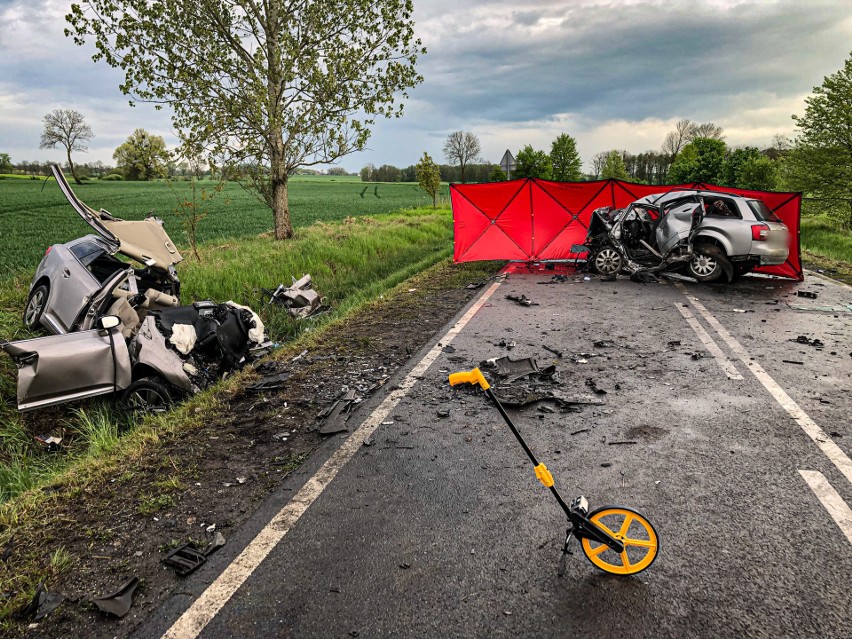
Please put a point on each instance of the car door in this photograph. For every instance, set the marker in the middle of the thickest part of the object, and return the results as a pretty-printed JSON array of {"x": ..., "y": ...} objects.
[
  {"x": 679, "y": 219},
  {"x": 63, "y": 368},
  {"x": 72, "y": 287}
]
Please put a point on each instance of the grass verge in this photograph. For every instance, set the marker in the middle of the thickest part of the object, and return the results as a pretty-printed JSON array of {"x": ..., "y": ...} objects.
[{"x": 827, "y": 247}]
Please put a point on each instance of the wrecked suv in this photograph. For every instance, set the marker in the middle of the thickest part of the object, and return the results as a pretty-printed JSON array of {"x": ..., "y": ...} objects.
[
  {"x": 709, "y": 235},
  {"x": 81, "y": 280}
]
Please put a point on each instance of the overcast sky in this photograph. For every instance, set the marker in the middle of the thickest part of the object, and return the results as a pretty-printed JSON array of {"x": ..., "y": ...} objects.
[{"x": 613, "y": 74}]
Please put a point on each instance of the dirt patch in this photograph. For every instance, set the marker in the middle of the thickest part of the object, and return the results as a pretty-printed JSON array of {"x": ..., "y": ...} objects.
[{"x": 217, "y": 473}]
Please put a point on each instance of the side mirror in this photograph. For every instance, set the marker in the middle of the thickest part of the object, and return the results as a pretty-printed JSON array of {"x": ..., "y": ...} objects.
[{"x": 107, "y": 322}]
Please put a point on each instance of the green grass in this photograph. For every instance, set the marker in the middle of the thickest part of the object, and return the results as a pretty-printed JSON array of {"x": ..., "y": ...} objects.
[
  {"x": 825, "y": 237},
  {"x": 33, "y": 217}
]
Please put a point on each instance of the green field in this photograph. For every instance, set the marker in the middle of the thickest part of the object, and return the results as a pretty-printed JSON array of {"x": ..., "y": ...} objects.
[{"x": 33, "y": 219}]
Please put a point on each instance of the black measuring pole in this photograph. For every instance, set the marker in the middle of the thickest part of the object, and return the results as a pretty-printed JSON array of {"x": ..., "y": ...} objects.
[{"x": 526, "y": 448}]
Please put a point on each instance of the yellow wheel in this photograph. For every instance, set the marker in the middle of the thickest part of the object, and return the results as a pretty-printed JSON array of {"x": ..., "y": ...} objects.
[{"x": 633, "y": 530}]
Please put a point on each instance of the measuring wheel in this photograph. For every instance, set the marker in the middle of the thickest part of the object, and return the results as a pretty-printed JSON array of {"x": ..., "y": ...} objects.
[{"x": 631, "y": 529}]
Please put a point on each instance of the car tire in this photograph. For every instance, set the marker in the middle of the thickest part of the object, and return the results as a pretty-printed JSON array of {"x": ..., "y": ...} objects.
[
  {"x": 148, "y": 395},
  {"x": 607, "y": 261},
  {"x": 708, "y": 263},
  {"x": 36, "y": 303}
]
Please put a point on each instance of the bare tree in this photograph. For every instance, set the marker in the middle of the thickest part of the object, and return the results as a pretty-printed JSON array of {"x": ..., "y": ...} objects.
[
  {"x": 598, "y": 162},
  {"x": 677, "y": 139},
  {"x": 706, "y": 130},
  {"x": 68, "y": 128},
  {"x": 461, "y": 147}
]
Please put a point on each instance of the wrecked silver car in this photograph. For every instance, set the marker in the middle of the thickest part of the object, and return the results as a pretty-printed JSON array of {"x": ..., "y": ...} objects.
[
  {"x": 76, "y": 282},
  {"x": 706, "y": 234},
  {"x": 148, "y": 358}
]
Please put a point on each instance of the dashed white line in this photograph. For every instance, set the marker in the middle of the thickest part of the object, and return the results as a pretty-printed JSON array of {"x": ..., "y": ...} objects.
[
  {"x": 831, "y": 500},
  {"x": 201, "y": 612},
  {"x": 831, "y": 450},
  {"x": 724, "y": 363}
]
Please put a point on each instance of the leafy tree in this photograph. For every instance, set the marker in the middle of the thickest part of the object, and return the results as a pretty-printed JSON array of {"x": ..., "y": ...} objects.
[
  {"x": 759, "y": 173},
  {"x": 271, "y": 86},
  {"x": 497, "y": 175},
  {"x": 461, "y": 148},
  {"x": 367, "y": 173},
  {"x": 429, "y": 177},
  {"x": 532, "y": 163},
  {"x": 337, "y": 171},
  {"x": 142, "y": 156},
  {"x": 66, "y": 127},
  {"x": 567, "y": 165},
  {"x": 733, "y": 163},
  {"x": 613, "y": 166},
  {"x": 699, "y": 161},
  {"x": 5, "y": 163},
  {"x": 820, "y": 164}
]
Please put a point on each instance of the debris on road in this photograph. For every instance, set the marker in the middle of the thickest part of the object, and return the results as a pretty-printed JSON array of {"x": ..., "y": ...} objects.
[
  {"x": 604, "y": 343},
  {"x": 185, "y": 559},
  {"x": 507, "y": 345},
  {"x": 808, "y": 294},
  {"x": 336, "y": 414},
  {"x": 118, "y": 603},
  {"x": 582, "y": 430},
  {"x": 511, "y": 369},
  {"x": 621, "y": 443},
  {"x": 552, "y": 350},
  {"x": 804, "y": 339},
  {"x": 592, "y": 384},
  {"x": 521, "y": 300},
  {"x": 792, "y": 361},
  {"x": 269, "y": 382}
]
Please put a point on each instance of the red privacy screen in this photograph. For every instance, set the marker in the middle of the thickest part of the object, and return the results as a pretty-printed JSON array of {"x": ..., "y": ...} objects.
[{"x": 533, "y": 220}]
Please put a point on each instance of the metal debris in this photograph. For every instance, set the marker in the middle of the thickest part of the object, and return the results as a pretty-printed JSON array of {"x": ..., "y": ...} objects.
[
  {"x": 119, "y": 602},
  {"x": 300, "y": 299},
  {"x": 511, "y": 369},
  {"x": 269, "y": 382},
  {"x": 592, "y": 384},
  {"x": 792, "y": 361},
  {"x": 808, "y": 294}
]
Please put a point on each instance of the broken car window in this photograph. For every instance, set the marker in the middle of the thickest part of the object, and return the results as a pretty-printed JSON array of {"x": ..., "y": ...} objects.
[{"x": 762, "y": 212}]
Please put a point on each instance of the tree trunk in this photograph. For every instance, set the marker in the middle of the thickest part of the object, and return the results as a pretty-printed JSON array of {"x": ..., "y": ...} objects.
[
  {"x": 462, "y": 173},
  {"x": 71, "y": 165},
  {"x": 280, "y": 205}
]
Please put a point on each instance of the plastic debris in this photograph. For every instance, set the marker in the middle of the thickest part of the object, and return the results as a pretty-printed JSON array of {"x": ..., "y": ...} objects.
[
  {"x": 521, "y": 300},
  {"x": 336, "y": 414},
  {"x": 118, "y": 603}
]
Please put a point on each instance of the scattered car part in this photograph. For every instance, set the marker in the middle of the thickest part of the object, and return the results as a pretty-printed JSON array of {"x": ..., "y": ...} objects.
[
  {"x": 185, "y": 559},
  {"x": 269, "y": 382},
  {"x": 808, "y": 294},
  {"x": 512, "y": 369},
  {"x": 336, "y": 414},
  {"x": 217, "y": 543},
  {"x": 41, "y": 605},
  {"x": 300, "y": 299},
  {"x": 552, "y": 350},
  {"x": 606, "y": 550},
  {"x": 118, "y": 603},
  {"x": 521, "y": 300},
  {"x": 51, "y": 443},
  {"x": 804, "y": 339}
]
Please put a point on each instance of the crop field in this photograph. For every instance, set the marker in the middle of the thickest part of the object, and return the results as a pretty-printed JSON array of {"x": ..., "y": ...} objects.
[{"x": 34, "y": 214}]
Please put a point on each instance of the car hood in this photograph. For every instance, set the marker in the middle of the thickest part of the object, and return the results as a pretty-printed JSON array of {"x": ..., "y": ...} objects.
[{"x": 145, "y": 241}]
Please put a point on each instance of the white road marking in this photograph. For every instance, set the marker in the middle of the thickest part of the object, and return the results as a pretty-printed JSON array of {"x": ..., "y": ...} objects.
[
  {"x": 720, "y": 357},
  {"x": 812, "y": 430},
  {"x": 201, "y": 612},
  {"x": 831, "y": 500}
]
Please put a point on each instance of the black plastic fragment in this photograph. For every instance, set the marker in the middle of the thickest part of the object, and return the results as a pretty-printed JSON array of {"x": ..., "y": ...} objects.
[
  {"x": 185, "y": 559},
  {"x": 118, "y": 603}
]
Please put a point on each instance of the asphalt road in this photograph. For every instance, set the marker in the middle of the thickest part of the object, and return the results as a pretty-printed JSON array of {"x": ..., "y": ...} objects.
[{"x": 438, "y": 527}]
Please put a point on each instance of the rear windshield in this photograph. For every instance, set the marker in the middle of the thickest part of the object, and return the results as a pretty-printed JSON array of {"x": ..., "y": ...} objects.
[
  {"x": 762, "y": 212},
  {"x": 87, "y": 252}
]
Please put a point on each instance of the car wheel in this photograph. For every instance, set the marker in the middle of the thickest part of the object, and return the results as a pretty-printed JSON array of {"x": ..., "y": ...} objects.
[
  {"x": 708, "y": 263},
  {"x": 149, "y": 395},
  {"x": 36, "y": 304},
  {"x": 607, "y": 261}
]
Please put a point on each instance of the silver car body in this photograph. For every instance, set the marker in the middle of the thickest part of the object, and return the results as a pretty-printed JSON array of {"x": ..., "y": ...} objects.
[
  {"x": 731, "y": 230},
  {"x": 76, "y": 274}
]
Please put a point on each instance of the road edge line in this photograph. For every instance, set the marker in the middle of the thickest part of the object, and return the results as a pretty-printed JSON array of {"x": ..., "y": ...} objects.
[
  {"x": 831, "y": 500},
  {"x": 195, "y": 618}
]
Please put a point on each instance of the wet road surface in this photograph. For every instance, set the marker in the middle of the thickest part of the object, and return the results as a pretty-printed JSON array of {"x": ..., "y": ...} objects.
[{"x": 437, "y": 527}]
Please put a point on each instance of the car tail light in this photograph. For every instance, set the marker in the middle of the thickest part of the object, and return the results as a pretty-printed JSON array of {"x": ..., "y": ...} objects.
[
  {"x": 48, "y": 250},
  {"x": 759, "y": 232}
]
